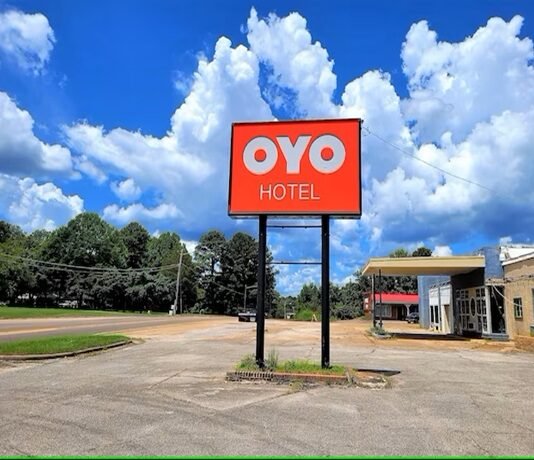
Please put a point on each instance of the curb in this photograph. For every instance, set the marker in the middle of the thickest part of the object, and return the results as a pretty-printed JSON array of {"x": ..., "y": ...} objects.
[
  {"x": 62, "y": 355},
  {"x": 376, "y": 381},
  {"x": 285, "y": 377},
  {"x": 380, "y": 336}
]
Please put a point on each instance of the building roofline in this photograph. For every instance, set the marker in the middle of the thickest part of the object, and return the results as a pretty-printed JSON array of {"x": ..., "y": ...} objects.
[{"x": 517, "y": 259}]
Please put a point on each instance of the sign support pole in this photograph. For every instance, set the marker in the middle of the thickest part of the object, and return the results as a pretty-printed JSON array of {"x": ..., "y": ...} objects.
[
  {"x": 380, "y": 290},
  {"x": 260, "y": 304},
  {"x": 325, "y": 291},
  {"x": 373, "y": 292}
]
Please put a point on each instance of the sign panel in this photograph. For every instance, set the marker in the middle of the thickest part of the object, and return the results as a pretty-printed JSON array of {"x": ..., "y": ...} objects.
[{"x": 306, "y": 168}]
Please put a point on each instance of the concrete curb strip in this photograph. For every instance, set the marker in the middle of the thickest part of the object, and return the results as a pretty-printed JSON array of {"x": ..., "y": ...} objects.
[
  {"x": 64, "y": 354},
  {"x": 375, "y": 381}
]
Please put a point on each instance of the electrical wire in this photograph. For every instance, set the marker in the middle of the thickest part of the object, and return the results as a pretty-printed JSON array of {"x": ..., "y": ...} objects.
[
  {"x": 415, "y": 157},
  {"x": 78, "y": 268}
]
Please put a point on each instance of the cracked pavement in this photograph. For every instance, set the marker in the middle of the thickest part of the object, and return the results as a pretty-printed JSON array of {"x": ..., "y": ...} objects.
[{"x": 167, "y": 396}]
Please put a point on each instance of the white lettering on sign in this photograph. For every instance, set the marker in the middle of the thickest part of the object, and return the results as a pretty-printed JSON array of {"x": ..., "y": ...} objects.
[
  {"x": 292, "y": 191},
  {"x": 293, "y": 153},
  {"x": 249, "y": 155}
]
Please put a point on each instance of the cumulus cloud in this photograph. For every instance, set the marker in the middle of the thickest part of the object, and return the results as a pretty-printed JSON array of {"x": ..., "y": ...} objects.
[
  {"x": 504, "y": 240},
  {"x": 450, "y": 119},
  {"x": 21, "y": 152},
  {"x": 27, "y": 39},
  {"x": 442, "y": 251},
  {"x": 190, "y": 164},
  {"x": 298, "y": 63},
  {"x": 126, "y": 190},
  {"x": 190, "y": 245},
  {"x": 33, "y": 206},
  {"x": 139, "y": 213},
  {"x": 453, "y": 86}
]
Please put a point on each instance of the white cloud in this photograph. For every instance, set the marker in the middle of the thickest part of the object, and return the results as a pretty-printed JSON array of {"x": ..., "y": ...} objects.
[
  {"x": 504, "y": 240},
  {"x": 451, "y": 119},
  {"x": 442, "y": 251},
  {"x": 82, "y": 164},
  {"x": 32, "y": 206},
  {"x": 372, "y": 97},
  {"x": 297, "y": 62},
  {"x": 189, "y": 165},
  {"x": 26, "y": 38},
  {"x": 291, "y": 279},
  {"x": 182, "y": 83},
  {"x": 454, "y": 86},
  {"x": 21, "y": 153},
  {"x": 126, "y": 190},
  {"x": 190, "y": 245},
  {"x": 139, "y": 213}
]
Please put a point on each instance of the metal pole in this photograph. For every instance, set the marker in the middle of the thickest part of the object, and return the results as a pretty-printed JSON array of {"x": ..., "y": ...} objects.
[
  {"x": 175, "y": 306},
  {"x": 325, "y": 291},
  {"x": 260, "y": 309},
  {"x": 380, "y": 291},
  {"x": 245, "y": 300},
  {"x": 373, "y": 301}
]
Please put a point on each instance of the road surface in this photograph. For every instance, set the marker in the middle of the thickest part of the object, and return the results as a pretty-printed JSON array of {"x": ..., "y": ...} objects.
[{"x": 11, "y": 329}]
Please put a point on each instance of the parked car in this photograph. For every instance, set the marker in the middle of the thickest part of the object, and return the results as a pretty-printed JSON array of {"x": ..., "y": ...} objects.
[
  {"x": 412, "y": 318},
  {"x": 248, "y": 316}
]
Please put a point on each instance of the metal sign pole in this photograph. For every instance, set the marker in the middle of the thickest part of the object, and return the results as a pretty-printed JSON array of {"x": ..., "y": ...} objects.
[
  {"x": 325, "y": 292},
  {"x": 260, "y": 305},
  {"x": 380, "y": 290},
  {"x": 373, "y": 293}
]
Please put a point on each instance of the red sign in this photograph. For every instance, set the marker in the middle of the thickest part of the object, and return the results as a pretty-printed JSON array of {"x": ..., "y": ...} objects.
[{"x": 295, "y": 168}]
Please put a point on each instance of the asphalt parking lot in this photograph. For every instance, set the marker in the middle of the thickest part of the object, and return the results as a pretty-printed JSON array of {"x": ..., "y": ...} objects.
[{"x": 167, "y": 396}]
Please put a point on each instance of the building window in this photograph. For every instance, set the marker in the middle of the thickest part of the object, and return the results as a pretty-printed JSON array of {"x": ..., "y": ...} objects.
[
  {"x": 386, "y": 311},
  {"x": 518, "y": 307}
]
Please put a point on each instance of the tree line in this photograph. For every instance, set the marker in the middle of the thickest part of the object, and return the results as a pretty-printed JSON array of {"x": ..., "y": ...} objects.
[{"x": 89, "y": 263}]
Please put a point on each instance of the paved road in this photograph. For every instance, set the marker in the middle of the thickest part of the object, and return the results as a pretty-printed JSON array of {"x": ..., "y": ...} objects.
[
  {"x": 168, "y": 396},
  {"x": 33, "y": 327}
]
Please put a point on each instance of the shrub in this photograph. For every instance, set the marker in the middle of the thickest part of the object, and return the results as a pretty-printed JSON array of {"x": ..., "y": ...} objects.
[
  {"x": 306, "y": 314},
  {"x": 271, "y": 362},
  {"x": 248, "y": 363}
]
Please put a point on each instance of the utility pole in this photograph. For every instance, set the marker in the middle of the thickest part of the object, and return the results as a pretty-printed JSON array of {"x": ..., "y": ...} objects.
[{"x": 175, "y": 306}]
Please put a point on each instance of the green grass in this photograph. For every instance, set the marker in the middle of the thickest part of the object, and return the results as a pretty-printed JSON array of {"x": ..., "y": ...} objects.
[
  {"x": 57, "y": 344},
  {"x": 297, "y": 366},
  {"x": 306, "y": 314},
  {"x": 304, "y": 366},
  {"x": 35, "y": 312}
]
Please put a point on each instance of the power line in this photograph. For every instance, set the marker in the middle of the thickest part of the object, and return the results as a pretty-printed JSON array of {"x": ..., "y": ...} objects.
[
  {"x": 79, "y": 268},
  {"x": 415, "y": 157}
]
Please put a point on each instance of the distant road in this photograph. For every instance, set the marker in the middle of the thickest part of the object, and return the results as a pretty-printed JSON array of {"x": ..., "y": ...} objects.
[{"x": 11, "y": 329}]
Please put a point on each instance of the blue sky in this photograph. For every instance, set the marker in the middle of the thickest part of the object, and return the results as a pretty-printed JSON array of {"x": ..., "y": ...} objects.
[{"x": 124, "y": 108}]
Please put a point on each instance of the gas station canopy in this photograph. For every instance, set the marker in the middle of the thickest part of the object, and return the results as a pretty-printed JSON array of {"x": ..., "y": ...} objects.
[{"x": 429, "y": 266}]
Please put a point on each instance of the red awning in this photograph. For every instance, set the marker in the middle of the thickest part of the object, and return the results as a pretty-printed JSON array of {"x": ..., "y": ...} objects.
[{"x": 397, "y": 298}]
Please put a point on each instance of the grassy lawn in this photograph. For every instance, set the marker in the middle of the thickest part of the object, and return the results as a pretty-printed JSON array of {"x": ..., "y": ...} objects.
[
  {"x": 57, "y": 344},
  {"x": 298, "y": 366},
  {"x": 31, "y": 312}
]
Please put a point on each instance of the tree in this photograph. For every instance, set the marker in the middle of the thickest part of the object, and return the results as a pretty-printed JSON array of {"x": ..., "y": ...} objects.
[
  {"x": 88, "y": 241},
  {"x": 239, "y": 269},
  {"x": 209, "y": 251},
  {"x": 165, "y": 250},
  {"x": 399, "y": 252},
  {"x": 402, "y": 284},
  {"x": 85, "y": 241},
  {"x": 309, "y": 297},
  {"x": 422, "y": 251},
  {"x": 208, "y": 254},
  {"x": 135, "y": 238}
]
